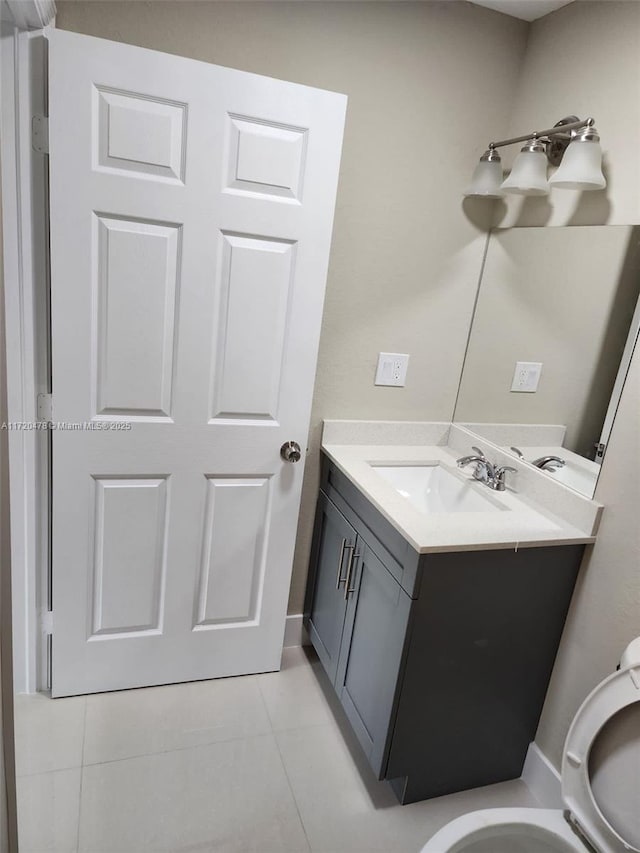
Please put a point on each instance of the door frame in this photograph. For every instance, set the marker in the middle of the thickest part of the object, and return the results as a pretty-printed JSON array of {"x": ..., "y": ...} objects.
[{"x": 25, "y": 260}]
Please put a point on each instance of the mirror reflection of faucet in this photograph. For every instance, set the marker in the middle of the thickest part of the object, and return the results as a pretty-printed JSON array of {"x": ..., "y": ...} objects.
[{"x": 546, "y": 463}]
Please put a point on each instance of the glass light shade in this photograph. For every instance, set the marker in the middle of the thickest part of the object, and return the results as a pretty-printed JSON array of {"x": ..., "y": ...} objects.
[
  {"x": 528, "y": 175},
  {"x": 486, "y": 180},
  {"x": 581, "y": 168}
]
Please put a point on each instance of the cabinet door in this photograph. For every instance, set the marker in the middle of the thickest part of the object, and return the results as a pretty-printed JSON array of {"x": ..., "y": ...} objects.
[
  {"x": 334, "y": 548},
  {"x": 371, "y": 653}
]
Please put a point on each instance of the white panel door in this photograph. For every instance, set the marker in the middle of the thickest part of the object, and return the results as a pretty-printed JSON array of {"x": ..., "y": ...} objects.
[{"x": 191, "y": 216}]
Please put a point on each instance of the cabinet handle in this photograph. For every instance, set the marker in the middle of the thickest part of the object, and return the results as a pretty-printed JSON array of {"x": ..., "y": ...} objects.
[
  {"x": 352, "y": 556},
  {"x": 339, "y": 578}
]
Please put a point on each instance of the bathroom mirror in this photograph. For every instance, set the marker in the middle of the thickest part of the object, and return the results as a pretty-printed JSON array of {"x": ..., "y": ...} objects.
[{"x": 566, "y": 299}]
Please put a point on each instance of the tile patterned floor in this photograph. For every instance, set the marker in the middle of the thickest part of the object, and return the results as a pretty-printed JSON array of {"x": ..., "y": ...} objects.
[{"x": 260, "y": 763}]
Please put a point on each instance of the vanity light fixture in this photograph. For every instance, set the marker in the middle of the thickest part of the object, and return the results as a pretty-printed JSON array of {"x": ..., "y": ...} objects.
[{"x": 572, "y": 144}]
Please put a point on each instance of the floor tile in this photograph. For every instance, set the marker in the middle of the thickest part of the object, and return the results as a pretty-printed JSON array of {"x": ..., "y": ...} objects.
[
  {"x": 159, "y": 719},
  {"x": 293, "y": 696},
  {"x": 231, "y": 796},
  {"x": 48, "y": 809},
  {"x": 195, "y": 767},
  {"x": 49, "y": 732},
  {"x": 344, "y": 809}
]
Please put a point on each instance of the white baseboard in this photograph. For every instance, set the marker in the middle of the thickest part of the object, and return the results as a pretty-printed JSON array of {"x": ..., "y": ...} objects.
[
  {"x": 295, "y": 634},
  {"x": 542, "y": 778}
]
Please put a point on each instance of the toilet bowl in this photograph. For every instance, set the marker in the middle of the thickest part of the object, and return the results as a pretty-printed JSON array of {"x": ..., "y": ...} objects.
[
  {"x": 600, "y": 785},
  {"x": 510, "y": 830}
]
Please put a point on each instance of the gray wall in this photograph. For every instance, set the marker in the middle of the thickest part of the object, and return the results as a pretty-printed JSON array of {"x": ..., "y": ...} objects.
[
  {"x": 405, "y": 255},
  {"x": 605, "y": 613}
]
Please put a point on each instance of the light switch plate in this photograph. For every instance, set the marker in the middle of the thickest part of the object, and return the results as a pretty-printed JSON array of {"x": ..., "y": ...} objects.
[
  {"x": 526, "y": 376},
  {"x": 392, "y": 368}
]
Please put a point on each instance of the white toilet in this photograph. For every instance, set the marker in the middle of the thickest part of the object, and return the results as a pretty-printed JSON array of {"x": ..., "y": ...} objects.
[{"x": 600, "y": 785}]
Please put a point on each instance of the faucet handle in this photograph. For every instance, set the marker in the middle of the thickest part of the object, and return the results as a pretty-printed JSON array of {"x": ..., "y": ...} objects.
[
  {"x": 500, "y": 477},
  {"x": 478, "y": 451},
  {"x": 517, "y": 451}
]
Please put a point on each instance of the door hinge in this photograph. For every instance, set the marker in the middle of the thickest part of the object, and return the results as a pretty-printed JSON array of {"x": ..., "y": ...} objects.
[
  {"x": 46, "y": 632},
  {"x": 40, "y": 134},
  {"x": 46, "y": 621},
  {"x": 45, "y": 407}
]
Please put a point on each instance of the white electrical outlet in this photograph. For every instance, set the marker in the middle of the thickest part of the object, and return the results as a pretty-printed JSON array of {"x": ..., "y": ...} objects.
[
  {"x": 526, "y": 376},
  {"x": 392, "y": 368}
]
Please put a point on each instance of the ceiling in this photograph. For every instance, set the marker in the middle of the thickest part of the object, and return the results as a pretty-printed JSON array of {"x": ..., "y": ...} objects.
[{"x": 528, "y": 10}]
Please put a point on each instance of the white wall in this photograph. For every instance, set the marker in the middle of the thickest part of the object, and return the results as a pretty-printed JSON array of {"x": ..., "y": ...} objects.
[
  {"x": 406, "y": 256},
  {"x": 585, "y": 59}
]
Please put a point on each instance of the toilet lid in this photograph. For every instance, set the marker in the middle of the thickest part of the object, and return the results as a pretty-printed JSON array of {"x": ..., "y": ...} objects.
[{"x": 607, "y": 830}]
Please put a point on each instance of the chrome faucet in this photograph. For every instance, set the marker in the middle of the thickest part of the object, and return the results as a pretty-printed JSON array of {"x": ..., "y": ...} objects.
[
  {"x": 549, "y": 463},
  {"x": 546, "y": 463},
  {"x": 492, "y": 476}
]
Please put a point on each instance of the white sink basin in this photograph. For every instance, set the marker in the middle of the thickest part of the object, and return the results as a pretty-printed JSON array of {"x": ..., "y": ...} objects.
[{"x": 434, "y": 489}]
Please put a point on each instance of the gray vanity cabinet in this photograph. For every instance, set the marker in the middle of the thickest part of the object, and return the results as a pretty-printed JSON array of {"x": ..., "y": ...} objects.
[{"x": 440, "y": 661}]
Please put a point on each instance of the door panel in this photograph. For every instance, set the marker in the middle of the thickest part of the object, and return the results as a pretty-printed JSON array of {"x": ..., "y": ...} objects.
[
  {"x": 233, "y": 554},
  {"x": 139, "y": 134},
  {"x": 251, "y": 344},
  {"x": 191, "y": 214},
  {"x": 129, "y": 553},
  {"x": 265, "y": 158},
  {"x": 137, "y": 290}
]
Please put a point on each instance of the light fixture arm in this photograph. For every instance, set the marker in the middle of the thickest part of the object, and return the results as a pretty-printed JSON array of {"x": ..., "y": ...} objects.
[{"x": 560, "y": 130}]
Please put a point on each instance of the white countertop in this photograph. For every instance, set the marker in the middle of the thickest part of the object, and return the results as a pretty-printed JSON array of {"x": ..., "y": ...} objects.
[{"x": 523, "y": 523}]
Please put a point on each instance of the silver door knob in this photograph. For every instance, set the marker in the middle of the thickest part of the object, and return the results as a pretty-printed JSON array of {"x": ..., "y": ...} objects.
[{"x": 290, "y": 451}]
